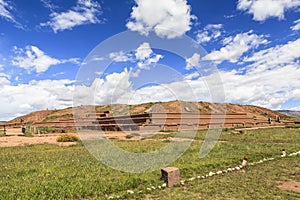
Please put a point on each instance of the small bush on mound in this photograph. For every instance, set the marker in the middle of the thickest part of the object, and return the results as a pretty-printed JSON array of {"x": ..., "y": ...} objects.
[
  {"x": 67, "y": 138},
  {"x": 292, "y": 126},
  {"x": 129, "y": 136},
  {"x": 135, "y": 134},
  {"x": 46, "y": 130},
  {"x": 166, "y": 131}
]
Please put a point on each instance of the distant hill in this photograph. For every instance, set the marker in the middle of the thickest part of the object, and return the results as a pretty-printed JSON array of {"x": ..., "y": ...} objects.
[
  {"x": 66, "y": 114},
  {"x": 290, "y": 113}
]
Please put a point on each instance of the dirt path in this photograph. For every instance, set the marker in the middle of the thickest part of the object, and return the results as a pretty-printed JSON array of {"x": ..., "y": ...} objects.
[
  {"x": 10, "y": 141},
  {"x": 290, "y": 185},
  {"x": 13, "y": 131},
  {"x": 15, "y": 137},
  {"x": 256, "y": 128}
]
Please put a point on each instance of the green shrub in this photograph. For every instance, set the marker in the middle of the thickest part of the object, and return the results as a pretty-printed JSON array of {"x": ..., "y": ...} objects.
[
  {"x": 207, "y": 108},
  {"x": 292, "y": 126},
  {"x": 2, "y": 133},
  {"x": 67, "y": 138},
  {"x": 67, "y": 116},
  {"x": 49, "y": 118},
  {"x": 46, "y": 130},
  {"x": 135, "y": 134},
  {"x": 166, "y": 131},
  {"x": 129, "y": 136}
]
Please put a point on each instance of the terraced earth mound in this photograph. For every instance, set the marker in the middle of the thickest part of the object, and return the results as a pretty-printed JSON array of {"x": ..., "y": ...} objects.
[{"x": 64, "y": 118}]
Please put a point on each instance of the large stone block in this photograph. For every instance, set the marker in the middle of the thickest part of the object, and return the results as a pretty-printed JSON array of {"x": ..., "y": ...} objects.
[{"x": 171, "y": 176}]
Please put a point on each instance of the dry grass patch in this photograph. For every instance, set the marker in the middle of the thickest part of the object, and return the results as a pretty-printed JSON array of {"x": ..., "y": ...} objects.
[{"x": 67, "y": 138}]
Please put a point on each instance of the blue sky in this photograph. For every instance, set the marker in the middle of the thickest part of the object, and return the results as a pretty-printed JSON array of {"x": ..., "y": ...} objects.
[{"x": 48, "y": 46}]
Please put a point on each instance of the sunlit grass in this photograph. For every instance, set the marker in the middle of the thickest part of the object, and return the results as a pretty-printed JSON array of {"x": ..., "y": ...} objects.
[{"x": 52, "y": 172}]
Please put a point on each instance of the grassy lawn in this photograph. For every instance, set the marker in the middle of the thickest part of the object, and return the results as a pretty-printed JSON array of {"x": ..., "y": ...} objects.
[
  {"x": 52, "y": 172},
  {"x": 258, "y": 182}
]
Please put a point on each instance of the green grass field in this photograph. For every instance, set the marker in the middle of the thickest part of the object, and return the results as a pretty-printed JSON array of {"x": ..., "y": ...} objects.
[{"x": 53, "y": 172}]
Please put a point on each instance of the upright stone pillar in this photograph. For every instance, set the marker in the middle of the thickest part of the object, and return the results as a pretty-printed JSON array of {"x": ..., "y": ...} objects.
[{"x": 171, "y": 176}]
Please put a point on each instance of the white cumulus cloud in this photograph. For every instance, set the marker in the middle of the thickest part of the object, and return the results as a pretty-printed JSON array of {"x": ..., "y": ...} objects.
[
  {"x": 265, "y": 82},
  {"x": 210, "y": 32},
  {"x": 270, "y": 89},
  {"x": 194, "y": 61},
  {"x": 143, "y": 55},
  {"x": 5, "y": 8},
  {"x": 4, "y": 78},
  {"x": 296, "y": 27},
  {"x": 114, "y": 88},
  {"x": 236, "y": 46},
  {"x": 146, "y": 56},
  {"x": 4, "y": 81},
  {"x": 271, "y": 78},
  {"x": 85, "y": 12},
  {"x": 275, "y": 57},
  {"x": 143, "y": 51},
  {"x": 264, "y": 9},
  {"x": 120, "y": 56},
  {"x": 295, "y": 108},
  {"x": 33, "y": 59},
  {"x": 36, "y": 95},
  {"x": 167, "y": 18}
]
